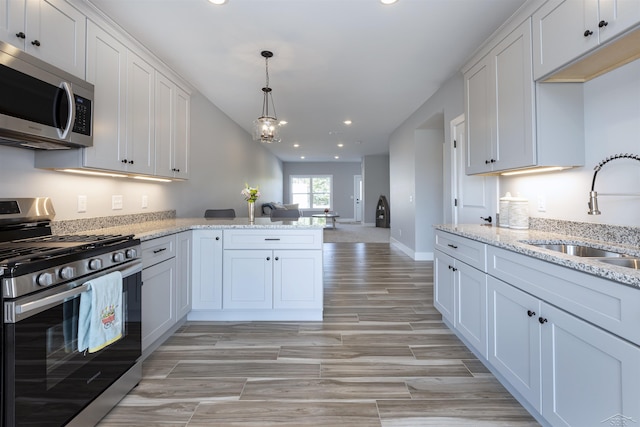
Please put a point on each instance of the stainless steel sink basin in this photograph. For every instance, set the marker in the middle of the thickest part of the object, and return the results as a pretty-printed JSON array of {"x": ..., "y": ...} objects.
[
  {"x": 623, "y": 262},
  {"x": 580, "y": 250}
]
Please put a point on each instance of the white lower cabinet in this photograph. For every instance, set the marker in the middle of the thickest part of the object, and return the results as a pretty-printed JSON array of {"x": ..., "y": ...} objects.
[
  {"x": 166, "y": 287},
  {"x": 590, "y": 377},
  {"x": 564, "y": 342},
  {"x": 514, "y": 338},
  {"x": 206, "y": 272},
  {"x": 158, "y": 301},
  {"x": 241, "y": 274},
  {"x": 183, "y": 274}
]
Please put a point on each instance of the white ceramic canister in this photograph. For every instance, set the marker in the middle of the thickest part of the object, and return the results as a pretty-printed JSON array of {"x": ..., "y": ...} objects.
[
  {"x": 519, "y": 213},
  {"x": 503, "y": 218}
]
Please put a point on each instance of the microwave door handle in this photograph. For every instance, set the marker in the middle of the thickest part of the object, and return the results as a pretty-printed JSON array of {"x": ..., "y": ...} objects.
[{"x": 71, "y": 118}]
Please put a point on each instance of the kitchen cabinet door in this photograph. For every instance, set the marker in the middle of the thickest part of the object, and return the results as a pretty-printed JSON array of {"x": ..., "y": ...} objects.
[
  {"x": 514, "y": 338},
  {"x": 207, "y": 270},
  {"x": 443, "y": 287},
  {"x": 51, "y": 30},
  {"x": 106, "y": 69},
  {"x": 561, "y": 33},
  {"x": 247, "y": 282},
  {"x": 56, "y": 33},
  {"x": 183, "y": 274},
  {"x": 172, "y": 128},
  {"x": 619, "y": 16},
  {"x": 471, "y": 305},
  {"x": 139, "y": 155},
  {"x": 158, "y": 301},
  {"x": 297, "y": 279},
  {"x": 479, "y": 109},
  {"x": 589, "y": 377}
]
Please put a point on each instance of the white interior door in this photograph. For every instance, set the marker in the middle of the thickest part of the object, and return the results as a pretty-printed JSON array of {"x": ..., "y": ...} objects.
[
  {"x": 357, "y": 198},
  {"x": 474, "y": 197}
]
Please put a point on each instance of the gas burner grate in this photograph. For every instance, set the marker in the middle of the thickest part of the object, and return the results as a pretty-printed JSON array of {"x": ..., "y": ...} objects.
[
  {"x": 71, "y": 238},
  {"x": 15, "y": 252}
]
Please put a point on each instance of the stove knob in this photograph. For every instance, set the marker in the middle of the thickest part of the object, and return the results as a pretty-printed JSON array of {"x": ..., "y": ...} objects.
[
  {"x": 45, "y": 279},
  {"x": 118, "y": 257},
  {"x": 95, "y": 264},
  {"x": 67, "y": 272},
  {"x": 131, "y": 253}
]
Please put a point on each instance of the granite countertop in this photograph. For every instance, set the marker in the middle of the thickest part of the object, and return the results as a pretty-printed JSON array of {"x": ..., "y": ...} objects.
[
  {"x": 153, "y": 229},
  {"x": 519, "y": 241}
]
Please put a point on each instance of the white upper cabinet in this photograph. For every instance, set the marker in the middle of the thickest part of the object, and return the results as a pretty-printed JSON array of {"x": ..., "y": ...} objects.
[
  {"x": 139, "y": 155},
  {"x": 514, "y": 123},
  {"x": 51, "y": 30},
  {"x": 106, "y": 69},
  {"x": 172, "y": 129},
  {"x": 563, "y": 30},
  {"x": 499, "y": 100}
]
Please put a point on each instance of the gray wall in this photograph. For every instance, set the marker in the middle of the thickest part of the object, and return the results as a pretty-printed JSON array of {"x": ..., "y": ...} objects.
[
  {"x": 414, "y": 161},
  {"x": 223, "y": 158},
  {"x": 375, "y": 177},
  {"x": 342, "y": 172}
]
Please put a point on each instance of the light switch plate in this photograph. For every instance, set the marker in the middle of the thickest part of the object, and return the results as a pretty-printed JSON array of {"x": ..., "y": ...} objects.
[{"x": 116, "y": 202}]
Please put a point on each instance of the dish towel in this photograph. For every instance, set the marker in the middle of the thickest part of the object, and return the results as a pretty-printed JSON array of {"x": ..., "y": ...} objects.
[{"x": 100, "y": 320}]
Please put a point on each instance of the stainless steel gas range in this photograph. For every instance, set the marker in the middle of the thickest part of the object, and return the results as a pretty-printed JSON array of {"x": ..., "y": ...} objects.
[{"x": 47, "y": 380}]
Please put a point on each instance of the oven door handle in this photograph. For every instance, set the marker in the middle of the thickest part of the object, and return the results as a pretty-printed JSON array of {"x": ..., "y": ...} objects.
[{"x": 50, "y": 300}]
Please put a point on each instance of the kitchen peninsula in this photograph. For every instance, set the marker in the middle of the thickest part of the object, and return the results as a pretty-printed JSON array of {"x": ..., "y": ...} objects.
[{"x": 222, "y": 270}]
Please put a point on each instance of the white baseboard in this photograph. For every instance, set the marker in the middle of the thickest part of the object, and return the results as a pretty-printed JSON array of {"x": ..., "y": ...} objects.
[{"x": 416, "y": 256}]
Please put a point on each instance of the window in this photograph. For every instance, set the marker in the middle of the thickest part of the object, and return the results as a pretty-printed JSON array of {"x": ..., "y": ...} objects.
[{"x": 311, "y": 192}]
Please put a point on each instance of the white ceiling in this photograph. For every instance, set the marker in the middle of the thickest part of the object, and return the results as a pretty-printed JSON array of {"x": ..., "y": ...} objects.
[{"x": 333, "y": 60}]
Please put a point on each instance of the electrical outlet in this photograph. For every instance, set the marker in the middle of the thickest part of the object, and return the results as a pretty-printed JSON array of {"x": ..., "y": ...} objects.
[
  {"x": 542, "y": 204},
  {"x": 116, "y": 202},
  {"x": 145, "y": 202},
  {"x": 82, "y": 204}
]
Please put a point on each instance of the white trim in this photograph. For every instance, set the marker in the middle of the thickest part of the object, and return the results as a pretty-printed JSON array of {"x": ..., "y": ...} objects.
[{"x": 416, "y": 256}]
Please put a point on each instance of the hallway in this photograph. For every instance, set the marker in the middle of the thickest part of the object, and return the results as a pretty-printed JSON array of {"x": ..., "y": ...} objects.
[{"x": 381, "y": 357}]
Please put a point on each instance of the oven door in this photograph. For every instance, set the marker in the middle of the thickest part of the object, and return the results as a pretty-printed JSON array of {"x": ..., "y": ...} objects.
[{"x": 47, "y": 381}]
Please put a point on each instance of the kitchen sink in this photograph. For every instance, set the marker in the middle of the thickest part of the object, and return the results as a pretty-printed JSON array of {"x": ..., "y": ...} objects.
[
  {"x": 579, "y": 250},
  {"x": 623, "y": 262}
]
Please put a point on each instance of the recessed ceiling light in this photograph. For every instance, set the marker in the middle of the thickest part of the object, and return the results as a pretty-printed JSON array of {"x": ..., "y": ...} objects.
[
  {"x": 282, "y": 122},
  {"x": 336, "y": 157},
  {"x": 296, "y": 145},
  {"x": 340, "y": 145},
  {"x": 347, "y": 122},
  {"x": 219, "y": 2},
  {"x": 302, "y": 157},
  {"x": 388, "y": 1}
]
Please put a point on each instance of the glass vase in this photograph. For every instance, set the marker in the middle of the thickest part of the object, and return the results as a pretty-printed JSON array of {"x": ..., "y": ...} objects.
[{"x": 251, "y": 206}]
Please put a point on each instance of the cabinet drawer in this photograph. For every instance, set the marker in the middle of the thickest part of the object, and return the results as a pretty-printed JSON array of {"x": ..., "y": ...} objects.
[
  {"x": 158, "y": 250},
  {"x": 272, "y": 239},
  {"x": 607, "y": 304},
  {"x": 466, "y": 250}
]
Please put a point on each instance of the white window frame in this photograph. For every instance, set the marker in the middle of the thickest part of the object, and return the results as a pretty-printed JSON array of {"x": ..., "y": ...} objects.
[{"x": 292, "y": 177}]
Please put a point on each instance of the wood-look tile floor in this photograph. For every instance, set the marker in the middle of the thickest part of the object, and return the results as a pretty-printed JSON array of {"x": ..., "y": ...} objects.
[{"x": 381, "y": 357}]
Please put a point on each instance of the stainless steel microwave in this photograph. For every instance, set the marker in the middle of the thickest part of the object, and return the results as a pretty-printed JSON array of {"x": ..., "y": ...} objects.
[{"x": 42, "y": 107}]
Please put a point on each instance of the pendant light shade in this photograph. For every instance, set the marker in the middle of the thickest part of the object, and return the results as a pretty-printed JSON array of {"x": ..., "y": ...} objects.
[{"x": 265, "y": 127}]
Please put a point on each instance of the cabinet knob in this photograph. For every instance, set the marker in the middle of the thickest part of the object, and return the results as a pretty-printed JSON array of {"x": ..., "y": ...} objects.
[
  {"x": 454, "y": 269},
  {"x": 602, "y": 24},
  {"x": 531, "y": 313},
  {"x": 268, "y": 258},
  {"x": 277, "y": 258},
  {"x": 35, "y": 43},
  {"x": 21, "y": 35},
  {"x": 493, "y": 160},
  {"x": 542, "y": 320},
  {"x": 588, "y": 33},
  {"x": 486, "y": 162},
  {"x": 217, "y": 237},
  {"x": 130, "y": 162},
  {"x": 124, "y": 161}
]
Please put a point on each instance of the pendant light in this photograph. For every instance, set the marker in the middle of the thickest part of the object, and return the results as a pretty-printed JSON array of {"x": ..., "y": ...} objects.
[{"x": 266, "y": 126}]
